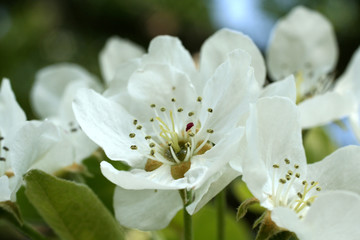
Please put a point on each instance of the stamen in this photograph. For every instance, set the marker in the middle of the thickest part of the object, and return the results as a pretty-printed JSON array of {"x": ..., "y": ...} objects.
[
  {"x": 151, "y": 119},
  {"x": 296, "y": 166},
  {"x": 210, "y": 110},
  {"x": 163, "y": 109},
  {"x": 318, "y": 189},
  {"x": 135, "y": 121},
  {"x": 199, "y": 99},
  {"x": 133, "y": 147},
  {"x": 287, "y": 161},
  {"x": 276, "y": 166},
  {"x": 173, "y": 100},
  {"x": 174, "y": 155},
  {"x": 2, "y": 159},
  {"x": 139, "y": 127},
  {"x": 210, "y": 131},
  {"x": 152, "y": 105},
  {"x": 132, "y": 135},
  {"x": 6, "y": 148},
  {"x": 73, "y": 130},
  {"x": 297, "y": 175},
  {"x": 290, "y": 172},
  {"x": 180, "y": 109},
  {"x": 152, "y": 152},
  {"x": 151, "y": 144},
  {"x": 190, "y": 114},
  {"x": 147, "y": 137}
]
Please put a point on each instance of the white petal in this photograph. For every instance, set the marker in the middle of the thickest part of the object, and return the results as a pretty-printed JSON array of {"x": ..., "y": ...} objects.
[
  {"x": 333, "y": 215},
  {"x": 51, "y": 83},
  {"x": 283, "y": 88},
  {"x": 40, "y": 145},
  {"x": 339, "y": 171},
  {"x": 169, "y": 50},
  {"x": 273, "y": 134},
  {"x": 108, "y": 124},
  {"x": 216, "y": 49},
  {"x": 211, "y": 188},
  {"x": 5, "y": 193},
  {"x": 325, "y": 108},
  {"x": 146, "y": 209},
  {"x": 115, "y": 52},
  {"x": 159, "y": 83},
  {"x": 355, "y": 124},
  {"x": 229, "y": 99},
  {"x": 302, "y": 41},
  {"x": 138, "y": 179},
  {"x": 9, "y": 107},
  {"x": 349, "y": 81}
]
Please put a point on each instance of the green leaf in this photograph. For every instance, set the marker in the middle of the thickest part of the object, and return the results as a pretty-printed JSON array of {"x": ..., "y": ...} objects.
[
  {"x": 12, "y": 211},
  {"x": 242, "y": 210},
  {"x": 242, "y": 193},
  {"x": 71, "y": 209}
]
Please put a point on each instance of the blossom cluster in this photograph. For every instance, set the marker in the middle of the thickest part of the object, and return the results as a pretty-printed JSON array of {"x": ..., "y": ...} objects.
[{"x": 188, "y": 128}]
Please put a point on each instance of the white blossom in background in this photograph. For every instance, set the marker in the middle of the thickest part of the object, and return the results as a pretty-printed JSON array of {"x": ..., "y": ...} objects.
[
  {"x": 315, "y": 201},
  {"x": 350, "y": 81},
  {"x": 52, "y": 95},
  {"x": 303, "y": 43},
  {"x": 175, "y": 125}
]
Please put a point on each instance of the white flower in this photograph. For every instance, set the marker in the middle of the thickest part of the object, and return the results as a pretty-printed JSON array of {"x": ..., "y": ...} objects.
[
  {"x": 303, "y": 43},
  {"x": 349, "y": 82},
  {"x": 24, "y": 144},
  {"x": 175, "y": 127},
  {"x": 316, "y": 201},
  {"x": 52, "y": 95}
]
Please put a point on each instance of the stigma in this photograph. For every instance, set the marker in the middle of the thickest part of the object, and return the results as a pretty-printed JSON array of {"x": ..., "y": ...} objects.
[{"x": 174, "y": 137}]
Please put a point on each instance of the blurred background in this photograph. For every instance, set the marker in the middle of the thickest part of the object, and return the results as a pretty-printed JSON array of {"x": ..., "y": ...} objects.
[{"x": 37, "y": 33}]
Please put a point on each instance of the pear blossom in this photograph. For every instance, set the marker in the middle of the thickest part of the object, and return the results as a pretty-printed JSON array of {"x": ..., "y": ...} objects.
[
  {"x": 52, "y": 94},
  {"x": 303, "y": 43},
  {"x": 177, "y": 127},
  {"x": 24, "y": 144},
  {"x": 315, "y": 201}
]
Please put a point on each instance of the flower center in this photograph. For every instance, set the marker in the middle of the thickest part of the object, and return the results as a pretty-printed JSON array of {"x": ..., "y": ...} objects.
[
  {"x": 174, "y": 139},
  {"x": 290, "y": 191}
]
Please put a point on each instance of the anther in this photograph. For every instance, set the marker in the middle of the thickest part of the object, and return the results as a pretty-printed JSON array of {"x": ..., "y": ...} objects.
[
  {"x": 290, "y": 172},
  {"x": 180, "y": 110},
  {"x": 152, "y": 145},
  {"x": 152, "y": 105},
  {"x": 133, "y": 147},
  {"x": 312, "y": 183},
  {"x": 1, "y": 138},
  {"x": 2, "y": 159},
  {"x": 73, "y": 130},
  {"x": 152, "y": 152},
  {"x": 318, "y": 189},
  {"x": 308, "y": 204},
  {"x": 296, "y": 166},
  {"x": 276, "y": 166},
  {"x": 5, "y": 148},
  {"x": 173, "y": 100},
  {"x": 287, "y": 161},
  {"x": 288, "y": 177},
  {"x": 191, "y": 134},
  {"x": 297, "y": 175},
  {"x": 210, "y": 110},
  {"x": 199, "y": 99},
  {"x": 299, "y": 195},
  {"x": 281, "y": 180},
  {"x": 135, "y": 121},
  {"x": 163, "y": 109},
  {"x": 139, "y": 127},
  {"x": 190, "y": 114},
  {"x": 132, "y": 135},
  {"x": 147, "y": 137},
  {"x": 210, "y": 131},
  {"x": 151, "y": 119},
  {"x": 304, "y": 182},
  {"x": 187, "y": 144}
]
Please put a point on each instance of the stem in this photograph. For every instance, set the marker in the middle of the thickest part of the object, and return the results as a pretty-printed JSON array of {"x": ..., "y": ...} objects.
[
  {"x": 220, "y": 206},
  {"x": 188, "y": 233}
]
